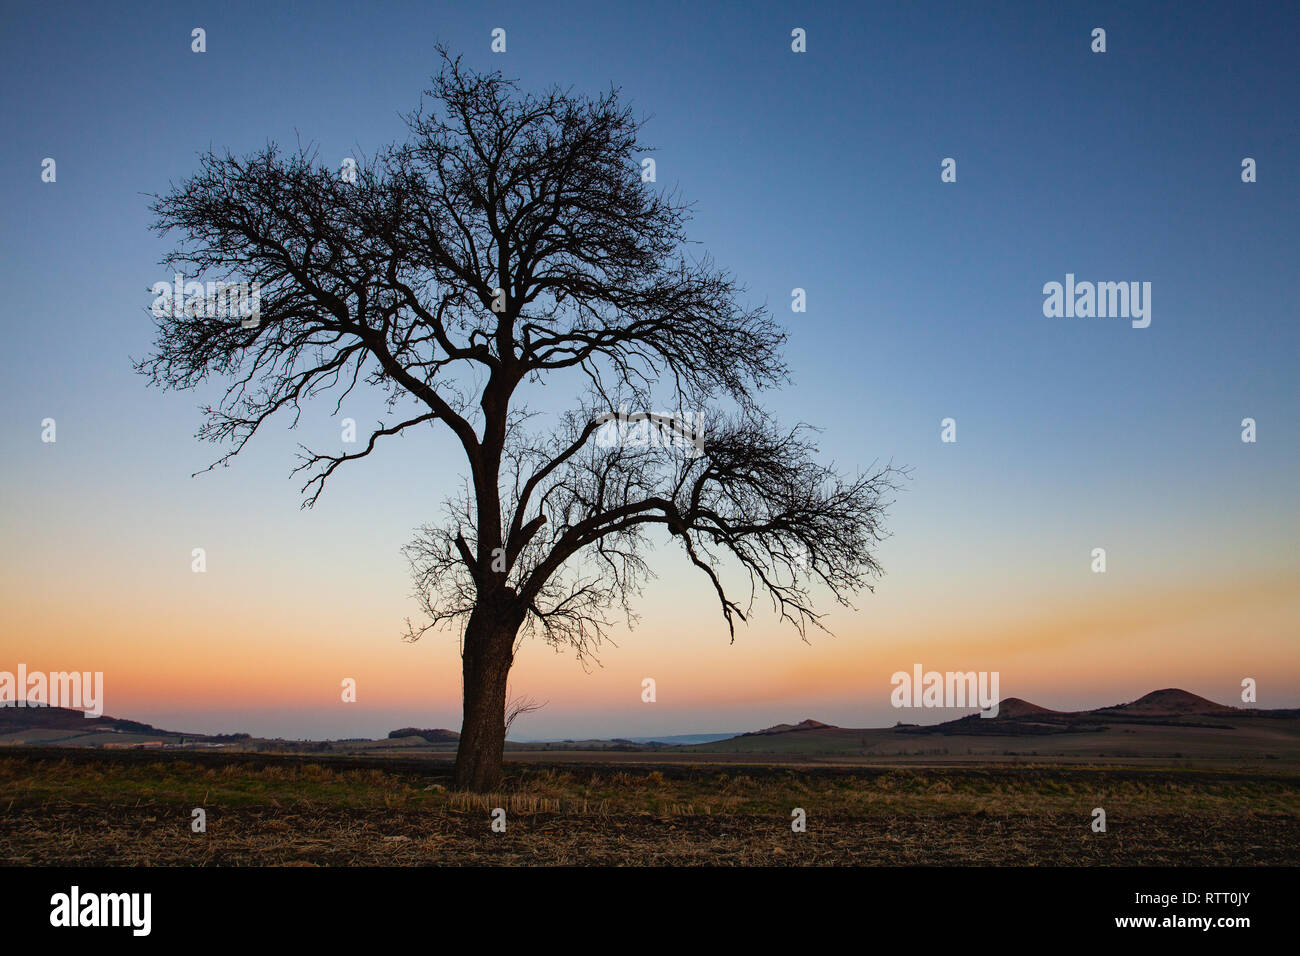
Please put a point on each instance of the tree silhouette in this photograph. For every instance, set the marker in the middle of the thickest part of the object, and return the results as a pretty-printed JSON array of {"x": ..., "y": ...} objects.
[{"x": 511, "y": 241}]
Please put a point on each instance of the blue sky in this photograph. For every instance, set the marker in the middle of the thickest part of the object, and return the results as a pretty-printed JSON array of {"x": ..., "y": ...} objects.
[{"x": 817, "y": 170}]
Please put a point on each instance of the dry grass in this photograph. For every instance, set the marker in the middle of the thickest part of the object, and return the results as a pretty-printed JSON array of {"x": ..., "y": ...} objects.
[{"x": 118, "y": 809}]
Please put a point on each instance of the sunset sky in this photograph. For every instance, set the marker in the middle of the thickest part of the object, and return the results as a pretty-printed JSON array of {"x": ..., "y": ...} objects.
[{"x": 819, "y": 171}]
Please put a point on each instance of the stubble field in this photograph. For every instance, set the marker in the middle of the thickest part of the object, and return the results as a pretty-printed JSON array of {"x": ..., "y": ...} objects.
[{"x": 135, "y": 809}]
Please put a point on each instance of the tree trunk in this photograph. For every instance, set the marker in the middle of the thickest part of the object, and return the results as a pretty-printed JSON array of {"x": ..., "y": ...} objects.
[{"x": 489, "y": 652}]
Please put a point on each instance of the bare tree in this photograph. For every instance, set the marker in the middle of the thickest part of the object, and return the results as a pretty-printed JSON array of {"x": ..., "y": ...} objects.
[{"x": 509, "y": 242}]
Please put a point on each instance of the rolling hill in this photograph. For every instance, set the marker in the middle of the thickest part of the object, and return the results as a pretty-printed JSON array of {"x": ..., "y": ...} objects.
[{"x": 1165, "y": 724}]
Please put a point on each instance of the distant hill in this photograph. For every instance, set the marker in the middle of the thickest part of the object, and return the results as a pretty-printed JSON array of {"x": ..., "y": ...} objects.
[
  {"x": 675, "y": 739},
  {"x": 803, "y": 725},
  {"x": 1170, "y": 702},
  {"x": 434, "y": 736},
  {"x": 62, "y": 726},
  {"x": 41, "y": 717},
  {"x": 1018, "y": 717},
  {"x": 1013, "y": 707},
  {"x": 1165, "y": 724}
]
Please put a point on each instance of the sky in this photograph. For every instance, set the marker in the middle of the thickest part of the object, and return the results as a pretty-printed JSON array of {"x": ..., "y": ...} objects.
[{"x": 818, "y": 170}]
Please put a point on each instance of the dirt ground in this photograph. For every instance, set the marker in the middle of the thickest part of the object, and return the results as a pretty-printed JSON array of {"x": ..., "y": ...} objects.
[
  {"x": 151, "y": 835},
  {"x": 113, "y": 811}
]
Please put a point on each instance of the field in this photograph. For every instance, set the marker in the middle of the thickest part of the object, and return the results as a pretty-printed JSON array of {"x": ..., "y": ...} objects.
[{"x": 132, "y": 808}]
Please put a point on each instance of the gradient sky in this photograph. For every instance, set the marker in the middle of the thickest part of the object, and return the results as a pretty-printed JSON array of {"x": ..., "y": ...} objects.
[{"x": 816, "y": 170}]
